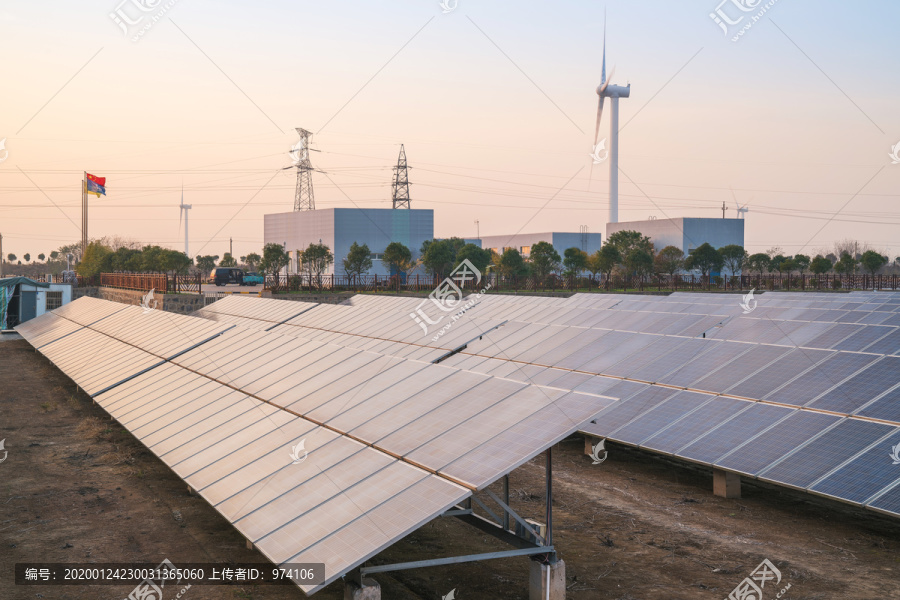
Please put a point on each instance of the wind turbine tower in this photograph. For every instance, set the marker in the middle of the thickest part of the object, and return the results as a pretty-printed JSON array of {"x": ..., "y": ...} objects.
[
  {"x": 613, "y": 92},
  {"x": 183, "y": 210}
]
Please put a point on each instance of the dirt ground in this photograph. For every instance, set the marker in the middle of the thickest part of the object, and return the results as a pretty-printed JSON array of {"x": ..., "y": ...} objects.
[{"x": 77, "y": 487}]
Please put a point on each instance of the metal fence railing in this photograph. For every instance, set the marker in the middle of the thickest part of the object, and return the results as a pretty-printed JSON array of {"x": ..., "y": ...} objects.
[
  {"x": 568, "y": 283},
  {"x": 161, "y": 282}
]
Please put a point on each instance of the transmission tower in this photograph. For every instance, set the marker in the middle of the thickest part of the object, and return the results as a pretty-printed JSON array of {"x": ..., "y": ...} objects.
[
  {"x": 400, "y": 187},
  {"x": 303, "y": 197}
]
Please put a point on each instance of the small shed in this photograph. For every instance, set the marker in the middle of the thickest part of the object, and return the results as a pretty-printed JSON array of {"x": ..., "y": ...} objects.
[{"x": 22, "y": 299}]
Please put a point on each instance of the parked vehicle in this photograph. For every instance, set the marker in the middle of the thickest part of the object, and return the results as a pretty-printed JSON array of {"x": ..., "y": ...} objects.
[
  {"x": 226, "y": 275},
  {"x": 253, "y": 278}
]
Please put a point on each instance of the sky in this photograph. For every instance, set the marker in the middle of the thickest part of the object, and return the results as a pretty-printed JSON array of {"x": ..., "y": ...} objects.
[{"x": 494, "y": 101}]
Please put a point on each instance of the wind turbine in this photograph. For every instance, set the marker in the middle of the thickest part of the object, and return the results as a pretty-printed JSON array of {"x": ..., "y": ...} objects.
[
  {"x": 613, "y": 92},
  {"x": 741, "y": 210},
  {"x": 183, "y": 210}
]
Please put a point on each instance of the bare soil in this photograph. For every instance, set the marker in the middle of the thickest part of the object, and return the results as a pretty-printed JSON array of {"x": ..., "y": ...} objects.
[{"x": 77, "y": 487}]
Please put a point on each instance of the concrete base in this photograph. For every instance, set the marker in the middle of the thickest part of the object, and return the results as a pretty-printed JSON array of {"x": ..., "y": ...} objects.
[
  {"x": 537, "y": 581},
  {"x": 370, "y": 590},
  {"x": 589, "y": 443},
  {"x": 250, "y": 545},
  {"x": 726, "y": 484}
]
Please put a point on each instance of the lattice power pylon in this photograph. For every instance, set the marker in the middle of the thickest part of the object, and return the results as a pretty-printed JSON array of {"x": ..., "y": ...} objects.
[
  {"x": 304, "y": 199},
  {"x": 400, "y": 187}
]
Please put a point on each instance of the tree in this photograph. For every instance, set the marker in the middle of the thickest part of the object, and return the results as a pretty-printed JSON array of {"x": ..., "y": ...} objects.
[
  {"x": 41, "y": 257},
  {"x": 480, "y": 258},
  {"x": 574, "y": 260},
  {"x": 97, "y": 259},
  {"x": 544, "y": 259},
  {"x": 173, "y": 260},
  {"x": 801, "y": 262},
  {"x": 316, "y": 260},
  {"x": 872, "y": 261},
  {"x": 670, "y": 260},
  {"x": 396, "y": 256},
  {"x": 820, "y": 265},
  {"x": 358, "y": 261},
  {"x": 54, "y": 255},
  {"x": 11, "y": 257},
  {"x": 846, "y": 265},
  {"x": 227, "y": 260},
  {"x": 274, "y": 259},
  {"x": 608, "y": 257},
  {"x": 27, "y": 257},
  {"x": 705, "y": 259},
  {"x": 594, "y": 265},
  {"x": 733, "y": 257},
  {"x": 639, "y": 262},
  {"x": 252, "y": 260},
  {"x": 778, "y": 263},
  {"x": 439, "y": 256},
  {"x": 127, "y": 259},
  {"x": 206, "y": 263},
  {"x": 758, "y": 262},
  {"x": 627, "y": 240},
  {"x": 512, "y": 264}
]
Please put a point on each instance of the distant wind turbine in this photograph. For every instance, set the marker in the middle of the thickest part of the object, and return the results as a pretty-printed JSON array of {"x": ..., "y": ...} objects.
[{"x": 183, "y": 210}]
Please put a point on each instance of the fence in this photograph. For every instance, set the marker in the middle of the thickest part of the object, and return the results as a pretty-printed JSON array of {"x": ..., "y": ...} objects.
[
  {"x": 558, "y": 283},
  {"x": 160, "y": 282}
]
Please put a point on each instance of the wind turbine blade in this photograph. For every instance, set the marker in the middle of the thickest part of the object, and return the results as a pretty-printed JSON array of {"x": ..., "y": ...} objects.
[
  {"x": 599, "y": 115},
  {"x": 180, "y": 211},
  {"x": 603, "y": 77}
]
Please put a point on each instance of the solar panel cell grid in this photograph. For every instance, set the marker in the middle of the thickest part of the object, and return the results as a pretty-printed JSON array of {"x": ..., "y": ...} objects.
[
  {"x": 820, "y": 378},
  {"x": 848, "y": 396},
  {"x": 717, "y": 442},
  {"x": 865, "y": 476},
  {"x": 682, "y": 432}
]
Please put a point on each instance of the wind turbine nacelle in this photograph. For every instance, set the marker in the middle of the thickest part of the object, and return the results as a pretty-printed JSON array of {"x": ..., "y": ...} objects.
[{"x": 614, "y": 91}]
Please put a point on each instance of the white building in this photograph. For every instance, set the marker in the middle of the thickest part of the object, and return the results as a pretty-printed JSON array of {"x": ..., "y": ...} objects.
[
  {"x": 588, "y": 242},
  {"x": 686, "y": 233},
  {"x": 22, "y": 299}
]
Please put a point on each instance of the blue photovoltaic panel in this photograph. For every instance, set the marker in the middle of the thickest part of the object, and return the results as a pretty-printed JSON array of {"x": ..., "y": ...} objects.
[
  {"x": 826, "y": 452},
  {"x": 756, "y": 358},
  {"x": 785, "y": 368},
  {"x": 861, "y": 388},
  {"x": 889, "y": 344},
  {"x": 886, "y": 408},
  {"x": 889, "y": 501},
  {"x": 624, "y": 411},
  {"x": 771, "y": 445},
  {"x": 834, "y": 335},
  {"x": 860, "y": 340},
  {"x": 724, "y": 438},
  {"x": 703, "y": 364},
  {"x": 822, "y": 377},
  {"x": 655, "y": 419},
  {"x": 865, "y": 476},
  {"x": 689, "y": 428}
]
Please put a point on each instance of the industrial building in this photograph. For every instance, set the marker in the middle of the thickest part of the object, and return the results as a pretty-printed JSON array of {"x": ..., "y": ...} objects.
[
  {"x": 22, "y": 299},
  {"x": 339, "y": 228},
  {"x": 686, "y": 233},
  {"x": 588, "y": 242}
]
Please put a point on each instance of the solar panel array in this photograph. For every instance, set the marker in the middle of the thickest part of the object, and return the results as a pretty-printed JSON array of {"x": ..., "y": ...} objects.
[
  {"x": 804, "y": 391},
  {"x": 388, "y": 443}
]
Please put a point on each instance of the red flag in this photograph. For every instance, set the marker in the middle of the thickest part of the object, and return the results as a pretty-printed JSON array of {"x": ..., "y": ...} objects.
[{"x": 101, "y": 181}]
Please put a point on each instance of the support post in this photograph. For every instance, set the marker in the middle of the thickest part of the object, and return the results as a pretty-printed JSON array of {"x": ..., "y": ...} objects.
[
  {"x": 506, "y": 499},
  {"x": 726, "y": 484},
  {"x": 367, "y": 589},
  {"x": 539, "y": 574}
]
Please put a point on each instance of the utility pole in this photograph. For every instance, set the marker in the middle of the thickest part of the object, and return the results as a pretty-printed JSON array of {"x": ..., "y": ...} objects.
[
  {"x": 304, "y": 199},
  {"x": 231, "y": 247},
  {"x": 477, "y": 229},
  {"x": 1, "y": 256},
  {"x": 723, "y": 209},
  {"x": 400, "y": 186}
]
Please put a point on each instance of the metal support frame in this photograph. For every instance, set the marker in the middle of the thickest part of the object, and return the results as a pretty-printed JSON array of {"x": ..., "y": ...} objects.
[{"x": 498, "y": 528}]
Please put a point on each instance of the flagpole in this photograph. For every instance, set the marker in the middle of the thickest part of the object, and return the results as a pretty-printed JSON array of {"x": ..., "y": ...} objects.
[{"x": 83, "y": 214}]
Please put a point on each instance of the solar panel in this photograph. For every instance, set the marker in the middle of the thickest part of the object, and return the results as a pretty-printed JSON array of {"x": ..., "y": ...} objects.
[
  {"x": 861, "y": 388},
  {"x": 685, "y": 430},
  {"x": 825, "y": 452},
  {"x": 726, "y": 436},
  {"x": 888, "y": 502},
  {"x": 767, "y": 447},
  {"x": 774, "y": 375},
  {"x": 624, "y": 411},
  {"x": 889, "y": 344},
  {"x": 755, "y": 359},
  {"x": 822, "y": 377},
  {"x": 659, "y": 417},
  {"x": 865, "y": 476}
]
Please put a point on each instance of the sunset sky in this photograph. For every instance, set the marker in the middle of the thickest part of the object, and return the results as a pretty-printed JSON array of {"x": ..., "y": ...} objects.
[{"x": 495, "y": 102}]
